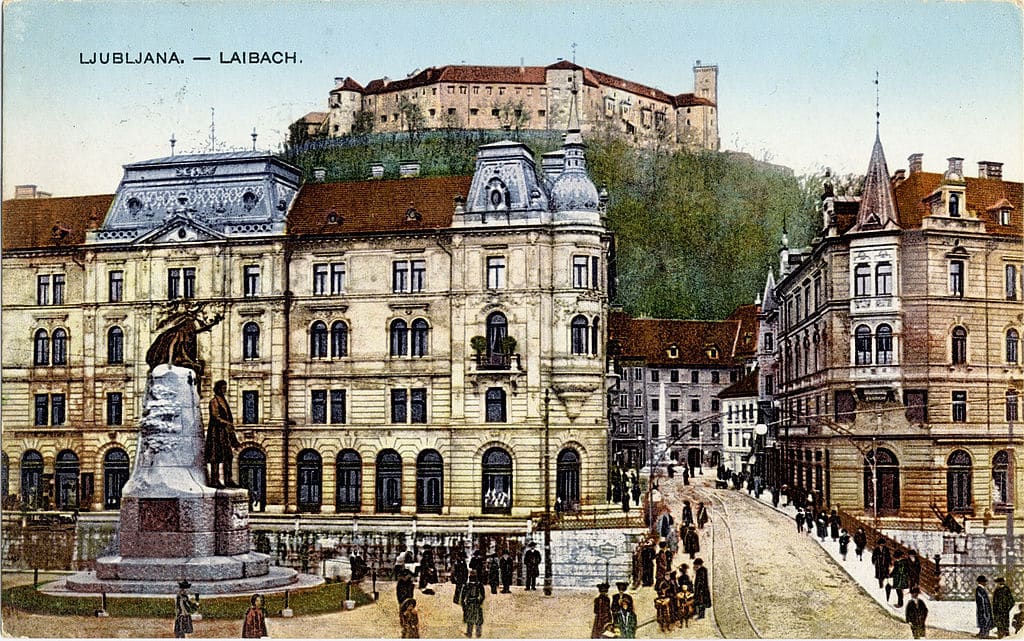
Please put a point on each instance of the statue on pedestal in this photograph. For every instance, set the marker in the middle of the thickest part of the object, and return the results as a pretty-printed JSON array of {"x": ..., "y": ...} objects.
[
  {"x": 220, "y": 437},
  {"x": 177, "y": 345}
]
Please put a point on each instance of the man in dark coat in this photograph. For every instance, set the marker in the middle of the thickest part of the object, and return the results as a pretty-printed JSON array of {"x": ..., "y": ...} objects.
[
  {"x": 900, "y": 577},
  {"x": 220, "y": 437},
  {"x": 914, "y": 563},
  {"x": 687, "y": 514},
  {"x": 493, "y": 574},
  {"x": 405, "y": 588},
  {"x": 800, "y": 519},
  {"x": 473, "y": 596},
  {"x": 428, "y": 570},
  {"x": 184, "y": 606},
  {"x": 881, "y": 559},
  {"x": 833, "y": 525},
  {"x": 664, "y": 562},
  {"x": 647, "y": 556},
  {"x": 775, "y": 496},
  {"x": 691, "y": 542},
  {"x": 460, "y": 574},
  {"x": 617, "y": 598},
  {"x": 701, "y": 588},
  {"x": 505, "y": 570},
  {"x": 983, "y": 608},
  {"x": 860, "y": 541},
  {"x": 702, "y": 515},
  {"x": 532, "y": 562},
  {"x": 917, "y": 613},
  {"x": 1002, "y": 604},
  {"x": 602, "y": 612},
  {"x": 476, "y": 563},
  {"x": 635, "y": 487}
]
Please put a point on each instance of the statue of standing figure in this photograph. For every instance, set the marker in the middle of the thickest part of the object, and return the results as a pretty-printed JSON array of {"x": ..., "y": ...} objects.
[{"x": 220, "y": 438}]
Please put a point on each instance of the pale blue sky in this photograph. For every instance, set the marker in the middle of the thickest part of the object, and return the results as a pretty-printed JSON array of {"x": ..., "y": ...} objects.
[{"x": 795, "y": 78}]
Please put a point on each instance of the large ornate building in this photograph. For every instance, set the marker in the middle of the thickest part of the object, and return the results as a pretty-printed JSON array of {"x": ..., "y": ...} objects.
[
  {"x": 900, "y": 371},
  {"x": 481, "y": 97},
  {"x": 422, "y": 345}
]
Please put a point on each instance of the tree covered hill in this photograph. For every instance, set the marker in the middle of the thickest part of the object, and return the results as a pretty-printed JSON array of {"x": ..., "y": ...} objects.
[{"x": 696, "y": 233}]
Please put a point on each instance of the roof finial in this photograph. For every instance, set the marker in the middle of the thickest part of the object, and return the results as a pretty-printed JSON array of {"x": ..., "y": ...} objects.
[
  {"x": 253, "y": 134},
  {"x": 573, "y": 47},
  {"x": 877, "y": 110},
  {"x": 172, "y": 141},
  {"x": 213, "y": 131},
  {"x": 574, "y": 112}
]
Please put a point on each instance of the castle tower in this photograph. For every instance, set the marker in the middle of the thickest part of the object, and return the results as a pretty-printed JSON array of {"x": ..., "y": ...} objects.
[{"x": 705, "y": 81}]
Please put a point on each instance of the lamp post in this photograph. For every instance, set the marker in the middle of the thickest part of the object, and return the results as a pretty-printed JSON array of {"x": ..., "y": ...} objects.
[{"x": 547, "y": 492}]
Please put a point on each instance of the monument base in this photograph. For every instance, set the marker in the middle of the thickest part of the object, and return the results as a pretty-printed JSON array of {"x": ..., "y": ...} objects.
[{"x": 275, "y": 578}]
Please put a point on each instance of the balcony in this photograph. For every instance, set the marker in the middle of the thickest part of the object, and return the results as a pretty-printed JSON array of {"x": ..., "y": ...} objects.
[
  {"x": 497, "y": 362},
  {"x": 495, "y": 369}
]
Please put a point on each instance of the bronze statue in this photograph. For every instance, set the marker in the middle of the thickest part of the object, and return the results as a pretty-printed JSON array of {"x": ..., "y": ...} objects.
[
  {"x": 220, "y": 437},
  {"x": 177, "y": 345}
]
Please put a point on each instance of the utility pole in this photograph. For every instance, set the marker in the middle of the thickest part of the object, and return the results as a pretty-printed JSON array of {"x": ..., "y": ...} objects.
[
  {"x": 547, "y": 492},
  {"x": 1010, "y": 498}
]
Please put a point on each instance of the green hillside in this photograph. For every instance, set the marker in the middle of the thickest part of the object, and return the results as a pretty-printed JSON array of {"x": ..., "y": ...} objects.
[{"x": 696, "y": 233}]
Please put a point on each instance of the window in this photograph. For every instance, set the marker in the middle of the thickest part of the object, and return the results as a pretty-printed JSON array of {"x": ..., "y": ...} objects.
[
  {"x": 42, "y": 409},
  {"x": 695, "y": 377},
  {"x": 389, "y": 481},
  {"x": 956, "y": 278},
  {"x": 654, "y": 405},
  {"x": 495, "y": 272},
  {"x": 418, "y": 269},
  {"x": 337, "y": 278},
  {"x": 958, "y": 482},
  {"x": 638, "y": 374},
  {"x": 673, "y": 404},
  {"x": 694, "y": 429},
  {"x": 883, "y": 279},
  {"x": 339, "y": 339},
  {"x": 41, "y": 347},
  {"x": 251, "y": 281},
  {"x": 655, "y": 376},
  {"x": 884, "y": 484},
  {"x": 420, "y": 331},
  {"x": 495, "y": 405},
  {"x": 862, "y": 345},
  {"x": 1011, "y": 282},
  {"x": 716, "y": 376},
  {"x": 58, "y": 289},
  {"x": 349, "y": 474},
  {"x": 114, "y": 408},
  {"x": 638, "y": 400},
  {"x": 181, "y": 282},
  {"x": 409, "y": 405},
  {"x": 43, "y": 290},
  {"x": 579, "y": 272},
  {"x": 115, "y": 346},
  {"x": 715, "y": 405},
  {"x": 861, "y": 280},
  {"x": 694, "y": 404},
  {"x": 673, "y": 376},
  {"x": 399, "y": 338},
  {"x": 954, "y": 205},
  {"x": 31, "y": 478},
  {"x": 429, "y": 482},
  {"x": 915, "y": 404},
  {"x": 817, "y": 292},
  {"x": 318, "y": 340},
  {"x": 337, "y": 406},
  {"x": 1012, "y": 343},
  {"x": 318, "y": 407},
  {"x": 579, "y": 334},
  {"x": 1000, "y": 480},
  {"x": 959, "y": 345},
  {"x": 250, "y": 407},
  {"x": 60, "y": 347},
  {"x": 250, "y": 341},
  {"x": 769, "y": 385},
  {"x": 310, "y": 481},
  {"x": 115, "y": 475},
  {"x": 567, "y": 478},
  {"x": 400, "y": 276},
  {"x": 845, "y": 406},
  {"x": 320, "y": 279},
  {"x": 57, "y": 409},
  {"x": 1012, "y": 406},
  {"x": 497, "y": 481},
  {"x": 623, "y": 400},
  {"x": 66, "y": 480},
  {"x": 115, "y": 286},
  {"x": 883, "y": 345},
  {"x": 959, "y": 406}
]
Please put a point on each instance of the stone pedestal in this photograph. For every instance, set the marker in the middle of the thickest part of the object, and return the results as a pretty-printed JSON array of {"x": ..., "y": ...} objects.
[{"x": 173, "y": 526}]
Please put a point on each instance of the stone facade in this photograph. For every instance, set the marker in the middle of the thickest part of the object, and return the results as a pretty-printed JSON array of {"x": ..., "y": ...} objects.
[
  {"x": 479, "y": 97},
  {"x": 349, "y": 317}
]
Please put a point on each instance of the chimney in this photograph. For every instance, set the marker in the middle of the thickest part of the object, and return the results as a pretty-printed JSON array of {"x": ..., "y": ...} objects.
[
  {"x": 955, "y": 170},
  {"x": 319, "y": 174},
  {"x": 552, "y": 163},
  {"x": 376, "y": 170},
  {"x": 409, "y": 168},
  {"x": 29, "y": 191},
  {"x": 338, "y": 81},
  {"x": 898, "y": 177},
  {"x": 990, "y": 169},
  {"x": 914, "y": 162}
]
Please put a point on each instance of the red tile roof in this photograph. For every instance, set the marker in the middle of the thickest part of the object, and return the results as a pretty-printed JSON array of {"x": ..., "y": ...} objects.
[
  {"x": 982, "y": 194},
  {"x": 348, "y": 84},
  {"x": 40, "y": 222},
  {"x": 691, "y": 100},
  {"x": 746, "y": 336},
  {"x": 376, "y": 205},
  {"x": 651, "y": 339}
]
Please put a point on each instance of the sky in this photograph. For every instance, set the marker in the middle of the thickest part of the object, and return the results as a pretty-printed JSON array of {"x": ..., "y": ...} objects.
[{"x": 795, "y": 86}]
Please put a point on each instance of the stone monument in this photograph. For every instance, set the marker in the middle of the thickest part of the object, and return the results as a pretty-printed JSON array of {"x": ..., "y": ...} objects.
[{"x": 173, "y": 526}]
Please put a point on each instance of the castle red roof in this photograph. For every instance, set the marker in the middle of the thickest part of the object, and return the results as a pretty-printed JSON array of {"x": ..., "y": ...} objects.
[
  {"x": 348, "y": 84},
  {"x": 50, "y": 222},
  {"x": 982, "y": 195},
  {"x": 653, "y": 339}
]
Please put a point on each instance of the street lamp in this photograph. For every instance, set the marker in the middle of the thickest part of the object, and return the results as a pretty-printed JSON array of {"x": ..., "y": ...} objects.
[{"x": 547, "y": 492}]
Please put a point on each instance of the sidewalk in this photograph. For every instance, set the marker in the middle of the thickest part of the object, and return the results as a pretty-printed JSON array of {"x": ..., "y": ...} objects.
[{"x": 955, "y": 616}]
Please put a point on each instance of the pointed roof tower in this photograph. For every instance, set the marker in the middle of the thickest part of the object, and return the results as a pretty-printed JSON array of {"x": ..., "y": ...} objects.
[
  {"x": 878, "y": 203},
  {"x": 573, "y": 190}
]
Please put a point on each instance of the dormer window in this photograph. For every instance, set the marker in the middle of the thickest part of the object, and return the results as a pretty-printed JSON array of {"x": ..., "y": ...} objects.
[
  {"x": 954, "y": 205},
  {"x": 673, "y": 351},
  {"x": 1004, "y": 216},
  {"x": 712, "y": 352}
]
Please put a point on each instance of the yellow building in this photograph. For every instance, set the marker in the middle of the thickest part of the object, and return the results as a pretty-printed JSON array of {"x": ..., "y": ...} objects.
[{"x": 390, "y": 346}]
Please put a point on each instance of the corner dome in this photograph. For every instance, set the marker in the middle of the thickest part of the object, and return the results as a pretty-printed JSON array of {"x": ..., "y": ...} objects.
[{"x": 573, "y": 190}]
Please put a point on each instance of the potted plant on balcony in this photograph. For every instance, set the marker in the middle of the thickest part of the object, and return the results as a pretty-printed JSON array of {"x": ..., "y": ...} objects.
[
  {"x": 508, "y": 345},
  {"x": 479, "y": 345}
]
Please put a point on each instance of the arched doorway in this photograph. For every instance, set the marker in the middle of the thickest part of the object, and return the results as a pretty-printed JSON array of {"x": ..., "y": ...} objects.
[
  {"x": 389, "y": 482},
  {"x": 1001, "y": 481},
  {"x": 115, "y": 475},
  {"x": 497, "y": 481},
  {"x": 694, "y": 458},
  {"x": 32, "y": 478},
  {"x": 310, "y": 479},
  {"x": 568, "y": 479},
  {"x": 429, "y": 482},
  {"x": 252, "y": 475},
  {"x": 886, "y": 481},
  {"x": 348, "y": 475},
  {"x": 66, "y": 480},
  {"x": 958, "y": 482}
]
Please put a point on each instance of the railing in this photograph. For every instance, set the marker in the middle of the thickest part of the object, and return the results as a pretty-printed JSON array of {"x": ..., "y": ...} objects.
[
  {"x": 497, "y": 362},
  {"x": 929, "y": 580}
]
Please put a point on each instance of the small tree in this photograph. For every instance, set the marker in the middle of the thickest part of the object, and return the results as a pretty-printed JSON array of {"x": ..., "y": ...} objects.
[
  {"x": 412, "y": 116},
  {"x": 512, "y": 114},
  {"x": 363, "y": 123},
  {"x": 508, "y": 345},
  {"x": 479, "y": 344}
]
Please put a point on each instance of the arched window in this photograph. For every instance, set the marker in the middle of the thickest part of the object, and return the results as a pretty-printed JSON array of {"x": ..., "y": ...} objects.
[
  {"x": 884, "y": 483},
  {"x": 579, "y": 334},
  {"x": 1000, "y": 480},
  {"x": 115, "y": 475},
  {"x": 495, "y": 405},
  {"x": 65, "y": 479},
  {"x": 310, "y": 479},
  {"x": 497, "y": 330},
  {"x": 399, "y": 338},
  {"x": 115, "y": 346},
  {"x": 348, "y": 481},
  {"x": 389, "y": 482},
  {"x": 1012, "y": 406},
  {"x": 954, "y": 205},
  {"x": 1012, "y": 344},
  {"x": 318, "y": 340},
  {"x": 958, "y": 482},
  {"x": 429, "y": 482},
  {"x": 959, "y": 345},
  {"x": 862, "y": 345},
  {"x": 883, "y": 345},
  {"x": 32, "y": 478},
  {"x": 60, "y": 347},
  {"x": 252, "y": 475},
  {"x": 42, "y": 347},
  {"x": 420, "y": 331},
  {"x": 497, "y": 481},
  {"x": 594, "y": 335},
  {"x": 250, "y": 341},
  {"x": 568, "y": 479},
  {"x": 339, "y": 339}
]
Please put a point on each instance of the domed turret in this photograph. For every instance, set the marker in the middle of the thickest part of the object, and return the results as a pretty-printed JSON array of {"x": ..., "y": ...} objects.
[{"x": 573, "y": 190}]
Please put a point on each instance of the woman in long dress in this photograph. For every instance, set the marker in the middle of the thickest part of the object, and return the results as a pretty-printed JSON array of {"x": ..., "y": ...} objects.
[{"x": 255, "y": 625}]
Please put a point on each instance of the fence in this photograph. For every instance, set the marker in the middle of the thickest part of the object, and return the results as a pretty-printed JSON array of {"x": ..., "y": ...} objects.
[
  {"x": 958, "y": 582},
  {"x": 929, "y": 580}
]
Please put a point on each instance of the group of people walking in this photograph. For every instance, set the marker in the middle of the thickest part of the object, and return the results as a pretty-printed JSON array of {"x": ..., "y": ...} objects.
[
  {"x": 993, "y": 611},
  {"x": 613, "y": 616}
]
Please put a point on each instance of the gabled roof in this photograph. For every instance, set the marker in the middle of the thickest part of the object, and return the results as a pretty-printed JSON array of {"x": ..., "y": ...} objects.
[
  {"x": 51, "y": 222},
  {"x": 376, "y": 205},
  {"x": 348, "y": 84},
  {"x": 746, "y": 386},
  {"x": 653, "y": 339},
  {"x": 692, "y": 100},
  {"x": 746, "y": 335},
  {"x": 982, "y": 195}
]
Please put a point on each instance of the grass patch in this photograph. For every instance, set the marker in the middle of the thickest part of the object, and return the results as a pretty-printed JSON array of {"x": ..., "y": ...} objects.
[{"x": 326, "y": 598}]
